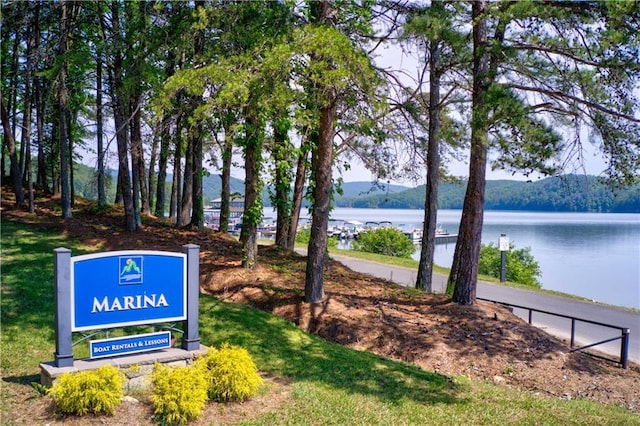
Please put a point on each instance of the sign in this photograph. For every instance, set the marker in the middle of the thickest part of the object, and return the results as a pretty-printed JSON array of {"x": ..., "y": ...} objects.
[
  {"x": 503, "y": 243},
  {"x": 125, "y": 288},
  {"x": 129, "y": 344}
]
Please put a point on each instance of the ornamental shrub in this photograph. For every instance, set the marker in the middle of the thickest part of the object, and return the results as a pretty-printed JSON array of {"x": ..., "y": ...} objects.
[
  {"x": 521, "y": 266},
  {"x": 179, "y": 394},
  {"x": 94, "y": 391},
  {"x": 387, "y": 241},
  {"x": 231, "y": 372}
]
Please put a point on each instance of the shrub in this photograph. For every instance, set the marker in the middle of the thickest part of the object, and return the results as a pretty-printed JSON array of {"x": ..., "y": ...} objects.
[
  {"x": 179, "y": 394},
  {"x": 304, "y": 235},
  {"x": 96, "y": 391},
  {"x": 521, "y": 266},
  {"x": 232, "y": 374},
  {"x": 387, "y": 241}
]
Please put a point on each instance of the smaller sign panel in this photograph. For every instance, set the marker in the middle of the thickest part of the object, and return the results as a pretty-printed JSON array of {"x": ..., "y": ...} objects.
[
  {"x": 503, "y": 242},
  {"x": 129, "y": 344}
]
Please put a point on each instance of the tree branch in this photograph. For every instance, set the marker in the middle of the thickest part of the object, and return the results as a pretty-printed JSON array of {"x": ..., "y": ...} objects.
[
  {"x": 573, "y": 57},
  {"x": 564, "y": 96}
]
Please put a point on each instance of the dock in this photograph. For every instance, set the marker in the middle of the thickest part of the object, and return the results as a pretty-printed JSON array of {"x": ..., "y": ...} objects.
[
  {"x": 446, "y": 239},
  {"x": 440, "y": 238}
]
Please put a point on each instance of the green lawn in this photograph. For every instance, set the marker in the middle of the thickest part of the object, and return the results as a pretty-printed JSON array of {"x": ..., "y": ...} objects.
[{"x": 329, "y": 384}]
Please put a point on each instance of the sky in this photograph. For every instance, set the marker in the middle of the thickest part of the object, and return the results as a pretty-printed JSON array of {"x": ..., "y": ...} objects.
[
  {"x": 409, "y": 63},
  {"x": 593, "y": 166},
  {"x": 395, "y": 58}
]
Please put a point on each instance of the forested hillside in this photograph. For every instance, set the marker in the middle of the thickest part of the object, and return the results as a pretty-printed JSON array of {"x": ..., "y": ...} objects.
[
  {"x": 86, "y": 186},
  {"x": 571, "y": 193}
]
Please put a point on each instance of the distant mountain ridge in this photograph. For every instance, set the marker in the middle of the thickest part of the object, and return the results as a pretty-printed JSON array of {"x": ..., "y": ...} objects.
[{"x": 569, "y": 193}]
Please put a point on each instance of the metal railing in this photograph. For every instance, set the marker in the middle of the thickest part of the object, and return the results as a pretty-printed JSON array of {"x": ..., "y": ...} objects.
[{"x": 624, "y": 336}]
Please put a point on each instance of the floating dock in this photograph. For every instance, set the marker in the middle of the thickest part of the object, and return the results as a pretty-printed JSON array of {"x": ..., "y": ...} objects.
[
  {"x": 446, "y": 239},
  {"x": 440, "y": 238}
]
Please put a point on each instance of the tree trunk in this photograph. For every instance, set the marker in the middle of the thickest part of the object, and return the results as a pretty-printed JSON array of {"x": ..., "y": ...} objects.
[
  {"x": 425, "y": 268},
  {"x": 33, "y": 42},
  {"x": 136, "y": 158},
  {"x": 11, "y": 105},
  {"x": 102, "y": 194},
  {"x": 120, "y": 121},
  {"x": 197, "y": 211},
  {"x": 177, "y": 172},
  {"x": 15, "y": 165},
  {"x": 225, "y": 195},
  {"x": 252, "y": 214},
  {"x": 26, "y": 123},
  {"x": 64, "y": 112},
  {"x": 184, "y": 216},
  {"x": 124, "y": 179},
  {"x": 298, "y": 194},
  {"x": 117, "y": 199},
  {"x": 25, "y": 141},
  {"x": 197, "y": 197},
  {"x": 281, "y": 157},
  {"x": 165, "y": 142},
  {"x": 31, "y": 205},
  {"x": 55, "y": 181},
  {"x": 73, "y": 120},
  {"x": 151, "y": 176},
  {"x": 163, "y": 162},
  {"x": 142, "y": 171},
  {"x": 41, "y": 174},
  {"x": 464, "y": 270},
  {"x": 321, "y": 161}
]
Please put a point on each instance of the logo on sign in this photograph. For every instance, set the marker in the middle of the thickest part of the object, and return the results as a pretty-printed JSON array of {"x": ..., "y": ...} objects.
[{"x": 130, "y": 270}]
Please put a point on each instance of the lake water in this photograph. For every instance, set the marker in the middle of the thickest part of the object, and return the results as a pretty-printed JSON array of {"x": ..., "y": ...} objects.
[{"x": 593, "y": 255}]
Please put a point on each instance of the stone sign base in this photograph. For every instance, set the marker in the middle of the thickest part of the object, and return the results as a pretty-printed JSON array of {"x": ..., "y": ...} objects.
[{"x": 136, "y": 367}]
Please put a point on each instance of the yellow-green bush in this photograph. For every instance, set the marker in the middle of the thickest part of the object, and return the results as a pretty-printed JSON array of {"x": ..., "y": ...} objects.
[
  {"x": 95, "y": 391},
  {"x": 232, "y": 374},
  {"x": 179, "y": 394}
]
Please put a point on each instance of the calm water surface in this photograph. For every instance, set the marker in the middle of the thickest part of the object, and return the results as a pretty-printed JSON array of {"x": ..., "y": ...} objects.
[{"x": 593, "y": 255}]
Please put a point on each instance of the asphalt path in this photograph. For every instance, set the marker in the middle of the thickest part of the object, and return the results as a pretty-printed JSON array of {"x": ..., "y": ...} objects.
[{"x": 585, "y": 333}]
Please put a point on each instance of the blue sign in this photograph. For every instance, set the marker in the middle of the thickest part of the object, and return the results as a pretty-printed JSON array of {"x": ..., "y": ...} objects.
[
  {"x": 124, "y": 288},
  {"x": 130, "y": 344}
]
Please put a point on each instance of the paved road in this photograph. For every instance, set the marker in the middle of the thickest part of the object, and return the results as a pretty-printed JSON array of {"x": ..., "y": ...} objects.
[{"x": 560, "y": 327}]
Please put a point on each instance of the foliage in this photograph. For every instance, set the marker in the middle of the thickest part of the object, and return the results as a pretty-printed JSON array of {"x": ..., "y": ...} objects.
[
  {"x": 386, "y": 240},
  {"x": 570, "y": 193},
  {"x": 179, "y": 394},
  {"x": 231, "y": 373},
  {"x": 95, "y": 391},
  {"x": 521, "y": 267},
  {"x": 304, "y": 235}
]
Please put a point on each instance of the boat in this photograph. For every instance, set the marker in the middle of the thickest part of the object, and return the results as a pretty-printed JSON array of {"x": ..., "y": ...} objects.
[
  {"x": 442, "y": 236},
  {"x": 441, "y": 231},
  {"x": 344, "y": 229}
]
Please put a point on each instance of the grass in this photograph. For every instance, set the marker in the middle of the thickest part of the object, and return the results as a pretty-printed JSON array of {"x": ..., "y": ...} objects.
[{"x": 328, "y": 384}]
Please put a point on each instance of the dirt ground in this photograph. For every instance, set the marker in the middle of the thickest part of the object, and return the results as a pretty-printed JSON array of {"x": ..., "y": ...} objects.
[{"x": 483, "y": 342}]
